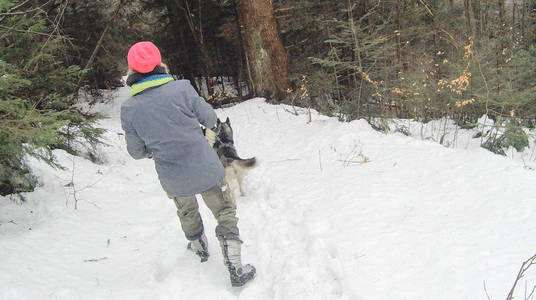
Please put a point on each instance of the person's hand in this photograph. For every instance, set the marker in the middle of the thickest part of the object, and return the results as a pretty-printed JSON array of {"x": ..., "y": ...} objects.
[{"x": 210, "y": 135}]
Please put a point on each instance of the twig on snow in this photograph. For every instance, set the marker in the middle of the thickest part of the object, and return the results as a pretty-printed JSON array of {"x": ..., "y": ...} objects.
[
  {"x": 92, "y": 203},
  {"x": 74, "y": 188},
  {"x": 95, "y": 259},
  {"x": 486, "y": 290},
  {"x": 320, "y": 160},
  {"x": 533, "y": 151},
  {"x": 529, "y": 297},
  {"x": 353, "y": 154},
  {"x": 524, "y": 267},
  {"x": 348, "y": 162}
]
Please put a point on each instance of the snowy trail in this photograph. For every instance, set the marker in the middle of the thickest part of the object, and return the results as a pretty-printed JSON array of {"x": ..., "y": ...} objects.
[{"x": 417, "y": 221}]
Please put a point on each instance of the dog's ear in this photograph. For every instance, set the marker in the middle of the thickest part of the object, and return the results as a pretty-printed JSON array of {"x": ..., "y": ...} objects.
[{"x": 228, "y": 121}]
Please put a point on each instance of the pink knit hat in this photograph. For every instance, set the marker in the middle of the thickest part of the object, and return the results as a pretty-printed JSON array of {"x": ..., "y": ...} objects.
[{"x": 143, "y": 57}]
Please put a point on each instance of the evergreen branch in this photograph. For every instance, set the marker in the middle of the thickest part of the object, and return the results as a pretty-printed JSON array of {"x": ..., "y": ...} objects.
[
  {"x": 18, "y": 12},
  {"x": 24, "y": 31},
  {"x": 56, "y": 26},
  {"x": 429, "y": 10},
  {"x": 11, "y": 13},
  {"x": 16, "y": 7}
]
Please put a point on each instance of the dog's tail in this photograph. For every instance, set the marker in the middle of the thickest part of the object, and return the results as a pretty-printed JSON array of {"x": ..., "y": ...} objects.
[{"x": 249, "y": 163}]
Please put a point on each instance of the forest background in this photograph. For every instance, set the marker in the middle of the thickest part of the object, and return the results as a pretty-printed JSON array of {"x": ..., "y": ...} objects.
[{"x": 457, "y": 60}]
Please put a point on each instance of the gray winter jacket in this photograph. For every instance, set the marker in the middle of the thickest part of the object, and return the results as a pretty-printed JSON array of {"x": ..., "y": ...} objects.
[{"x": 164, "y": 120}]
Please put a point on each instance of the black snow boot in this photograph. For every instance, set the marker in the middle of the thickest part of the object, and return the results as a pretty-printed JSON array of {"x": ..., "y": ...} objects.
[
  {"x": 200, "y": 247},
  {"x": 240, "y": 274}
]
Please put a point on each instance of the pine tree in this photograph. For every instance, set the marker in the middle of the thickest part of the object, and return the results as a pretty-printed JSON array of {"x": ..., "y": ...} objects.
[{"x": 37, "y": 91}]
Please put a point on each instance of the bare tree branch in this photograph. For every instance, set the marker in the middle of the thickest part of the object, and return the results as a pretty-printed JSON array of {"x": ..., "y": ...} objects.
[
  {"x": 25, "y": 31},
  {"x": 12, "y": 11},
  {"x": 486, "y": 290},
  {"x": 524, "y": 267},
  {"x": 16, "y": 7}
]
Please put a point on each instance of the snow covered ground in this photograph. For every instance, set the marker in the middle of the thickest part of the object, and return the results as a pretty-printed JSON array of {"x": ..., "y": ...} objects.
[{"x": 334, "y": 211}]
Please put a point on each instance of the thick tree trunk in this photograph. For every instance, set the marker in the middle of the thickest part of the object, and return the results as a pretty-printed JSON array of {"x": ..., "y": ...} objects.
[
  {"x": 502, "y": 18},
  {"x": 477, "y": 15},
  {"x": 472, "y": 10},
  {"x": 265, "y": 54}
]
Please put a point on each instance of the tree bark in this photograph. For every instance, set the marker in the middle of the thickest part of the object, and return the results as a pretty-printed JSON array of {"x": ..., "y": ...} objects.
[
  {"x": 502, "y": 16},
  {"x": 502, "y": 24},
  {"x": 477, "y": 10},
  {"x": 523, "y": 8},
  {"x": 513, "y": 21},
  {"x": 398, "y": 34},
  {"x": 485, "y": 15},
  {"x": 467, "y": 12},
  {"x": 241, "y": 48},
  {"x": 265, "y": 54}
]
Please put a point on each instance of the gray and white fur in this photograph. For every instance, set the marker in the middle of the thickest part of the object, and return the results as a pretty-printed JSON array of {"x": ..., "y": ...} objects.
[{"x": 235, "y": 167}]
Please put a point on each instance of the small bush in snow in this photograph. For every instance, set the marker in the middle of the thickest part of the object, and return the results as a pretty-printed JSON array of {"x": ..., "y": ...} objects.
[
  {"x": 513, "y": 136},
  {"x": 403, "y": 129}
]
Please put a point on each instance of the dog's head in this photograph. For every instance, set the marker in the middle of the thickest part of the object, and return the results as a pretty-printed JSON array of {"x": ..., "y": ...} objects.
[{"x": 225, "y": 131}]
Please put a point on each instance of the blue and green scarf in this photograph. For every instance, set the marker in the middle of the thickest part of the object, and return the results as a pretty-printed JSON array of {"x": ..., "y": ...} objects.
[{"x": 139, "y": 82}]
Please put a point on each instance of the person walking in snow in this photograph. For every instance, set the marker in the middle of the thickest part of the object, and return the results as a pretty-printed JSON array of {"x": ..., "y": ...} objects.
[{"x": 161, "y": 121}]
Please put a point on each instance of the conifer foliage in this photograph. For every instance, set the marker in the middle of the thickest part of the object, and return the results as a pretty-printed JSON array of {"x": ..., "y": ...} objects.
[
  {"x": 38, "y": 90},
  {"x": 419, "y": 59},
  {"x": 414, "y": 59}
]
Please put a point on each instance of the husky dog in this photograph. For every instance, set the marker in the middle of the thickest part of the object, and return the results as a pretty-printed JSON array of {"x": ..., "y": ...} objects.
[{"x": 235, "y": 166}]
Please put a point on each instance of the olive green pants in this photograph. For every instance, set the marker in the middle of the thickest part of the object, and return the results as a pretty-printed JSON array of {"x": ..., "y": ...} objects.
[{"x": 219, "y": 201}]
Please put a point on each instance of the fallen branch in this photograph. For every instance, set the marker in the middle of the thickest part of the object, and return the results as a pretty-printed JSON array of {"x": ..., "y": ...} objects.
[
  {"x": 95, "y": 259},
  {"x": 26, "y": 31},
  {"x": 486, "y": 290},
  {"x": 320, "y": 160},
  {"x": 347, "y": 162},
  {"x": 13, "y": 9},
  {"x": 522, "y": 271}
]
